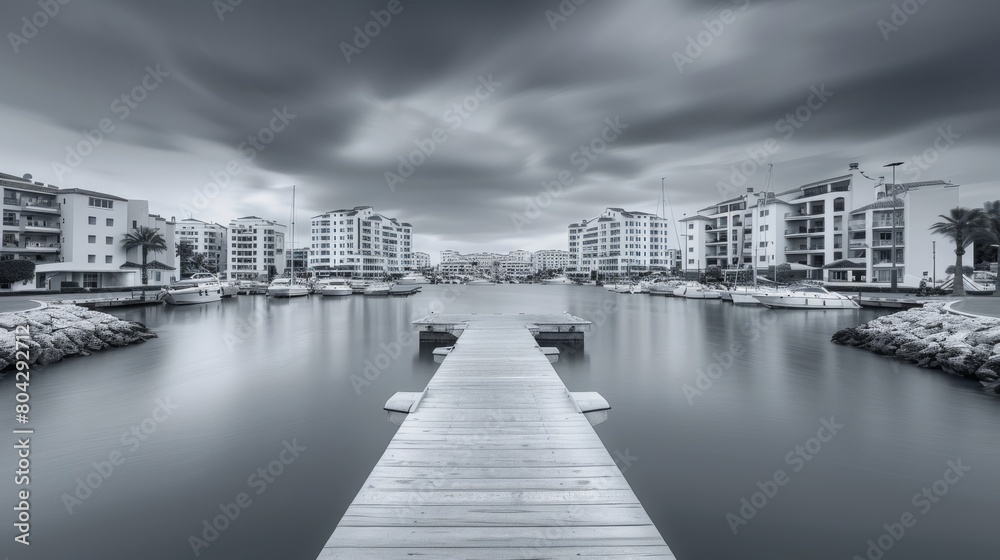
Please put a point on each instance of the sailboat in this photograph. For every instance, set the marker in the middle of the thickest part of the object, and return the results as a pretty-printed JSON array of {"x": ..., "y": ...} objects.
[{"x": 288, "y": 287}]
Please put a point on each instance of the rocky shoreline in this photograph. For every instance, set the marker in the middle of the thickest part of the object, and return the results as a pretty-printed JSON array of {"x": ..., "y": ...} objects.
[
  {"x": 58, "y": 331},
  {"x": 932, "y": 337}
]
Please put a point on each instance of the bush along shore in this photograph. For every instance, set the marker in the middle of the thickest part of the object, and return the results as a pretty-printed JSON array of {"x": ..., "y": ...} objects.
[
  {"x": 59, "y": 331},
  {"x": 931, "y": 337}
]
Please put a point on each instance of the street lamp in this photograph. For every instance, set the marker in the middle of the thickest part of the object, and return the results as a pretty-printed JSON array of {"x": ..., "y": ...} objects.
[
  {"x": 934, "y": 261},
  {"x": 893, "y": 165}
]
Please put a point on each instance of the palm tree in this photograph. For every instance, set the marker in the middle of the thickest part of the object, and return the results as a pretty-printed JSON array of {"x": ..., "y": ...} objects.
[
  {"x": 991, "y": 231},
  {"x": 198, "y": 262},
  {"x": 147, "y": 239},
  {"x": 183, "y": 250},
  {"x": 963, "y": 226}
]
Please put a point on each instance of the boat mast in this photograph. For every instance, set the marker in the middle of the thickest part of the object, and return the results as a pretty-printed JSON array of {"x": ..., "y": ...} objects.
[{"x": 291, "y": 253}]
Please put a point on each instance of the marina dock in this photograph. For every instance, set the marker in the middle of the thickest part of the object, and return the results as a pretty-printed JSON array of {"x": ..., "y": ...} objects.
[{"x": 496, "y": 459}]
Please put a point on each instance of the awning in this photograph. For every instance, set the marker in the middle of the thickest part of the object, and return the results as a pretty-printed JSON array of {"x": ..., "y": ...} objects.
[
  {"x": 151, "y": 265},
  {"x": 845, "y": 264},
  {"x": 800, "y": 266}
]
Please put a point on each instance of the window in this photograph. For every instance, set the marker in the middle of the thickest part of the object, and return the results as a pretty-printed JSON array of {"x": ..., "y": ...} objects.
[
  {"x": 110, "y": 222},
  {"x": 761, "y": 258},
  {"x": 109, "y": 240},
  {"x": 107, "y": 259},
  {"x": 90, "y": 280},
  {"x": 92, "y": 220},
  {"x": 92, "y": 259},
  {"x": 134, "y": 224},
  {"x": 91, "y": 239},
  {"x": 690, "y": 226},
  {"x": 100, "y": 203}
]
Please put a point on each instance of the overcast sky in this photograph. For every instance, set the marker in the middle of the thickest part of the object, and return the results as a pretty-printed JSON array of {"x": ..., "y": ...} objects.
[{"x": 608, "y": 97}]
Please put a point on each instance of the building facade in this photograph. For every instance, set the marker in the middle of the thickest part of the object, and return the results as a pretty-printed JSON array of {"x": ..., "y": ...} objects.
[
  {"x": 361, "y": 243},
  {"x": 74, "y": 236},
  {"x": 617, "y": 244},
  {"x": 421, "y": 261},
  {"x": 256, "y": 248},
  {"x": 549, "y": 259},
  {"x": 207, "y": 238}
]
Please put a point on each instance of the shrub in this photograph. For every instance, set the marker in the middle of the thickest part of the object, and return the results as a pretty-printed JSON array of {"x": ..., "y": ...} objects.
[{"x": 16, "y": 270}]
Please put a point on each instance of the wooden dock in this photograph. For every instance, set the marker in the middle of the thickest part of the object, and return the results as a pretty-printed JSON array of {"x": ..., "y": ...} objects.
[{"x": 496, "y": 459}]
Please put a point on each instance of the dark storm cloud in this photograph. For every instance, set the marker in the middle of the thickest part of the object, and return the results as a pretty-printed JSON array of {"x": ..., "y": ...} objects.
[{"x": 558, "y": 77}]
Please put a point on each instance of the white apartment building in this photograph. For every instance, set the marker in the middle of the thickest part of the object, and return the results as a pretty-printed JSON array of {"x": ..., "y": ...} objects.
[
  {"x": 549, "y": 259},
  {"x": 618, "y": 243},
  {"x": 207, "y": 238},
  {"x": 830, "y": 230},
  {"x": 360, "y": 242},
  {"x": 74, "y": 235},
  {"x": 256, "y": 245},
  {"x": 421, "y": 260}
]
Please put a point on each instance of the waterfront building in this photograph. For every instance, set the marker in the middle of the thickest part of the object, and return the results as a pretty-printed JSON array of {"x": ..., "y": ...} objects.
[
  {"x": 421, "y": 261},
  {"x": 256, "y": 248},
  {"x": 549, "y": 259},
  {"x": 829, "y": 230},
  {"x": 361, "y": 243},
  {"x": 74, "y": 236},
  {"x": 616, "y": 244},
  {"x": 207, "y": 238}
]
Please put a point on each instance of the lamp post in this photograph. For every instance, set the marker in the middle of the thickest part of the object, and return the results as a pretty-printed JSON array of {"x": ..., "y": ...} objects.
[
  {"x": 934, "y": 262},
  {"x": 894, "y": 280}
]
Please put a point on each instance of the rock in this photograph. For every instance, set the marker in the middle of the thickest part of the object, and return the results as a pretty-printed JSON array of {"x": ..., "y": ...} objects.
[
  {"x": 931, "y": 337},
  {"x": 58, "y": 331}
]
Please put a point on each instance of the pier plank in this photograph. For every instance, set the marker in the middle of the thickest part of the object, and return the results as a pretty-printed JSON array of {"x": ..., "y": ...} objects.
[{"x": 496, "y": 462}]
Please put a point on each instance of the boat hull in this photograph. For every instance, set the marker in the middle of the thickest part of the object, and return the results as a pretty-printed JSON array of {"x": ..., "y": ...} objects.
[
  {"x": 806, "y": 302},
  {"x": 336, "y": 291},
  {"x": 194, "y": 295},
  {"x": 287, "y": 291}
]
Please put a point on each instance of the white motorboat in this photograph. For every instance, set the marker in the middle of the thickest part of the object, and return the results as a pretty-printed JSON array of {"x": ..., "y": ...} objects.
[
  {"x": 359, "y": 286},
  {"x": 413, "y": 278},
  {"x": 334, "y": 287},
  {"x": 559, "y": 280},
  {"x": 807, "y": 297},
  {"x": 696, "y": 290},
  {"x": 251, "y": 287},
  {"x": 746, "y": 295},
  {"x": 664, "y": 288},
  {"x": 284, "y": 288},
  {"x": 378, "y": 289},
  {"x": 191, "y": 291}
]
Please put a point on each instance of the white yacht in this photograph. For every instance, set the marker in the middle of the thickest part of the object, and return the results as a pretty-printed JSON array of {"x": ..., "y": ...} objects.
[
  {"x": 205, "y": 288},
  {"x": 285, "y": 288},
  {"x": 664, "y": 288},
  {"x": 696, "y": 290},
  {"x": 378, "y": 289},
  {"x": 557, "y": 280},
  {"x": 335, "y": 287},
  {"x": 413, "y": 278},
  {"x": 807, "y": 297}
]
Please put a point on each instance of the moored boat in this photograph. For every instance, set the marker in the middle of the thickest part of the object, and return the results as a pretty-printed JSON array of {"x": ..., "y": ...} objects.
[
  {"x": 378, "y": 289},
  {"x": 285, "y": 288},
  {"x": 696, "y": 290},
  {"x": 807, "y": 297},
  {"x": 335, "y": 287},
  {"x": 204, "y": 289}
]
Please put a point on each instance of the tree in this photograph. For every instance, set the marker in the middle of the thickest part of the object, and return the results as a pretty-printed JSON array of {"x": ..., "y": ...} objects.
[
  {"x": 966, "y": 270},
  {"x": 713, "y": 274},
  {"x": 146, "y": 239},
  {"x": 199, "y": 262},
  {"x": 991, "y": 232},
  {"x": 782, "y": 273},
  {"x": 16, "y": 270},
  {"x": 963, "y": 226},
  {"x": 184, "y": 252}
]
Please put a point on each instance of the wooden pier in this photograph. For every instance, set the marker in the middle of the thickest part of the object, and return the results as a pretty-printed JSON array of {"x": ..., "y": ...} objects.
[{"x": 496, "y": 459}]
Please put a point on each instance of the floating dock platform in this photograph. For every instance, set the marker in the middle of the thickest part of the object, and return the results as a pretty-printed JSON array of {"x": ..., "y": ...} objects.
[{"x": 496, "y": 459}]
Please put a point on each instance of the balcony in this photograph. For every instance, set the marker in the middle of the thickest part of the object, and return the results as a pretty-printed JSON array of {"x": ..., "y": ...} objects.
[
  {"x": 888, "y": 262},
  {"x": 855, "y": 225},
  {"x": 47, "y": 206},
  {"x": 796, "y": 248},
  {"x": 886, "y": 243},
  {"x": 13, "y": 223},
  {"x": 801, "y": 215},
  {"x": 858, "y": 244},
  {"x": 887, "y": 223},
  {"x": 817, "y": 230},
  {"x": 40, "y": 227},
  {"x": 34, "y": 247},
  {"x": 11, "y": 201}
]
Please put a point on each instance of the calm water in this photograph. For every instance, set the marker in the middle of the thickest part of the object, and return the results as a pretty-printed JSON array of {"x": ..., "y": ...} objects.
[{"x": 238, "y": 393}]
